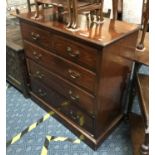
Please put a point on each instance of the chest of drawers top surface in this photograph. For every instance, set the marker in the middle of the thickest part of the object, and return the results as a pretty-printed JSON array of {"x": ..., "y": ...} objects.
[{"x": 99, "y": 34}]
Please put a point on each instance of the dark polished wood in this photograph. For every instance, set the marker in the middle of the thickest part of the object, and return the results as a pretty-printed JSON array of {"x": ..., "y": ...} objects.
[
  {"x": 67, "y": 89},
  {"x": 83, "y": 134},
  {"x": 88, "y": 68},
  {"x": 63, "y": 105},
  {"x": 76, "y": 52},
  {"x": 68, "y": 70},
  {"x": 99, "y": 35},
  {"x": 37, "y": 36}
]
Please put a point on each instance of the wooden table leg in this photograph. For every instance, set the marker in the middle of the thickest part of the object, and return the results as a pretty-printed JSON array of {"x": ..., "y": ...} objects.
[
  {"x": 101, "y": 11},
  {"x": 37, "y": 9},
  {"x": 114, "y": 8},
  {"x": 37, "y": 15},
  {"x": 145, "y": 146},
  {"x": 70, "y": 13},
  {"x": 75, "y": 15},
  {"x": 29, "y": 5},
  {"x": 145, "y": 24},
  {"x": 132, "y": 91}
]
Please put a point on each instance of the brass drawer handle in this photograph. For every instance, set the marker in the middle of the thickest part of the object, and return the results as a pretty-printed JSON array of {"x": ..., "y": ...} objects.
[
  {"x": 79, "y": 118},
  {"x": 36, "y": 55},
  {"x": 35, "y": 36},
  {"x": 74, "y": 116},
  {"x": 74, "y": 74},
  {"x": 71, "y": 53},
  {"x": 42, "y": 93},
  {"x": 39, "y": 75},
  {"x": 74, "y": 97}
]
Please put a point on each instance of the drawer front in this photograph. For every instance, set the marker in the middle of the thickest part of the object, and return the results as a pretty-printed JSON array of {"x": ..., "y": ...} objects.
[
  {"x": 63, "y": 105},
  {"x": 70, "y": 71},
  {"x": 70, "y": 91},
  {"x": 37, "y": 36},
  {"x": 78, "y": 53},
  {"x": 78, "y": 116}
]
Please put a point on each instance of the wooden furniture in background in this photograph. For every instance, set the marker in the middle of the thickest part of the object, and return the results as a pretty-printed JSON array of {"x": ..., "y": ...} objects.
[
  {"x": 16, "y": 70},
  {"x": 82, "y": 76},
  {"x": 140, "y": 123},
  {"x": 72, "y": 8},
  {"x": 75, "y": 7},
  {"x": 145, "y": 20},
  {"x": 143, "y": 93},
  {"x": 141, "y": 57},
  {"x": 139, "y": 131}
]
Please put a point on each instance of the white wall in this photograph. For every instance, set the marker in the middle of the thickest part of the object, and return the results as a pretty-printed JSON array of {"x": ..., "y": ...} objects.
[
  {"x": 11, "y": 3},
  {"x": 132, "y": 9}
]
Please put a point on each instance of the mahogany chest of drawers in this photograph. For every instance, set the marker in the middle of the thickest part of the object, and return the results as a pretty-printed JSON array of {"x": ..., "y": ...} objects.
[{"x": 81, "y": 75}]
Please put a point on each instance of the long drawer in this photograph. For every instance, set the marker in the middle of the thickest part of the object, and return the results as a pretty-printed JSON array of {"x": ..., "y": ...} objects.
[
  {"x": 63, "y": 105},
  {"x": 79, "y": 53},
  {"x": 76, "y": 52},
  {"x": 36, "y": 35},
  {"x": 70, "y": 71},
  {"x": 67, "y": 89}
]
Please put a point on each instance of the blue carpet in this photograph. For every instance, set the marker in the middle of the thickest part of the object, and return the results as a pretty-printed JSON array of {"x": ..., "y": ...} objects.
[{"x": 23, "y": 112}]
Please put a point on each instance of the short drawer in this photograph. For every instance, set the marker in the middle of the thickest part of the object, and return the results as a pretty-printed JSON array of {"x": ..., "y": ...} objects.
[
  {"x": 68, "y": 70},
  {"x": 78, "y": 53},
  {"x": 80, "y": 97},
  {"x": 63, "y": 105},
  {"x": 36, "y": 35}
]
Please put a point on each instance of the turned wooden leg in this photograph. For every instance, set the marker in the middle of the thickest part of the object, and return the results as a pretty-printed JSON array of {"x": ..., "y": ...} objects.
[
  {"x": 140, "y": 46},
  {"x": 37, "y": 15},
  {"x": 145, "y": 146},
  {"x": 37, "y": 9},
  {"x": 60, "y": 10},
  {"x": 92, "y": 15},
  {"x": 97, "y": 15},
  {"x": 69, "y": 2},
  {"x": 101, "y": 11},
  {"x": 28, "y": 5},
  {"x": 75, "y": 15},
  {"x": 114, "y": 7}
]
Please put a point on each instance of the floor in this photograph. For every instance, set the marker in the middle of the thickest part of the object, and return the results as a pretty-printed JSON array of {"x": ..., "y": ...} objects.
[{"x": 23, "y": 112}]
